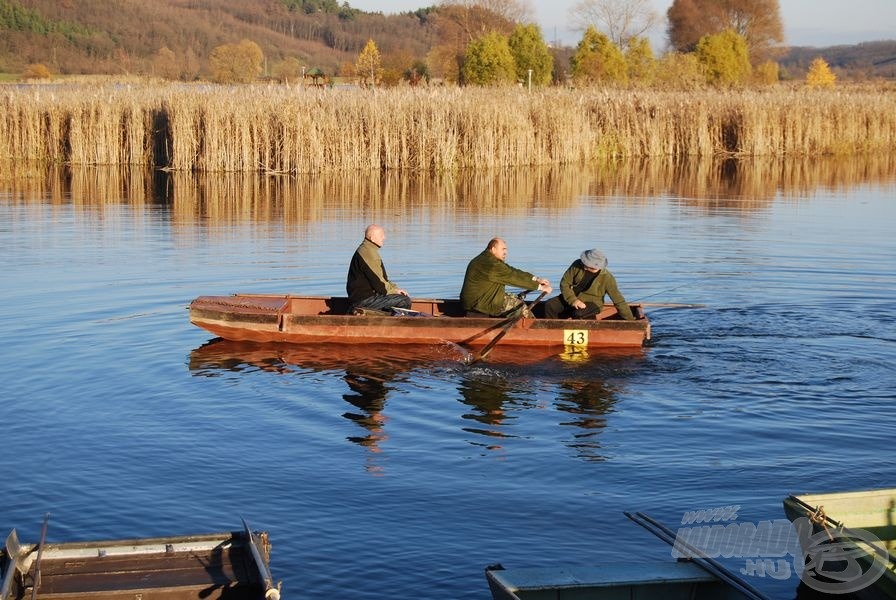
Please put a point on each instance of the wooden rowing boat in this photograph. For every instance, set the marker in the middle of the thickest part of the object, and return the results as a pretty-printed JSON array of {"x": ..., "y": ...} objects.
[
  {"x": 858, "y": 519},
  {"x": 668, "y": 580},
  {"x": 320, "y": 319},
  {"x": 208, "y": 566}
]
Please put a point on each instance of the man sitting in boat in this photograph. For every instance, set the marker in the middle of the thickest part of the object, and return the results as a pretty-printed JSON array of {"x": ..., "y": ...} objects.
[
  {"x": 483, "y": 292},
  {"x": 583, "y": 287},
  {"x": 367, "y": 284}
]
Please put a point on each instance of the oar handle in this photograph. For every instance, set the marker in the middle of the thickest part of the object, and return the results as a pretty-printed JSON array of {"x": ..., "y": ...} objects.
[{"x": 511, "y": 322}]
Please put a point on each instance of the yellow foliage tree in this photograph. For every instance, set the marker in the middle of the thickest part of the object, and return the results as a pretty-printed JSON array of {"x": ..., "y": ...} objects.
[
  {"x": 820, "y": 74},
  {"x": 36, "y": 71},
  {"x": 236, "y": 63},
  {"x": 369, "y": 65}
]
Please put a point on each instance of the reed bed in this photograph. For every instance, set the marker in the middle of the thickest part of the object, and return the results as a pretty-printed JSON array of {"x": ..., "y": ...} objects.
[{"x": 290, "y": 130}]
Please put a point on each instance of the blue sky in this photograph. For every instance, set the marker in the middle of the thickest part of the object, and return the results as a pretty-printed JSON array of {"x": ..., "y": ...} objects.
[{"x": 806, "y": 22}]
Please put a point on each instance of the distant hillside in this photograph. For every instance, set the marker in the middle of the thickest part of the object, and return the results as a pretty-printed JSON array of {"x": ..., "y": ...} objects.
[
  {"x": 124, "y": 36},
  {"x": 862, "y": 61}
]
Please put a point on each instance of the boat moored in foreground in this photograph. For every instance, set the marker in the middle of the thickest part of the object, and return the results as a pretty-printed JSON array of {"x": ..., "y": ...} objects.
[
  {"x": 860, "y": 525},
  {"x": 229, "y": 565}
]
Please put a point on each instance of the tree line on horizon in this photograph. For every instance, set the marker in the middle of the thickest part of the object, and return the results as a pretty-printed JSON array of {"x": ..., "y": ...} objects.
[{"x": 479, "y": 42}]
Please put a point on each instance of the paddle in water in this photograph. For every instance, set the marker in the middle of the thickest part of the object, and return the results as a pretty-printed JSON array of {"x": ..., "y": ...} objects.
[{"x": 510, "y": 323}]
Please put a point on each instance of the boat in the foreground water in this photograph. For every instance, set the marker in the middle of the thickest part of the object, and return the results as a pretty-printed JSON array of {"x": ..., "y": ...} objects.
[
  {"x": 231, "y": 565},
  {"x": 321, "y": 319},
  {"x": 668, "y": 580},
  {"x": 698, "y": 577},
  {"x": 859, "y": 526}
]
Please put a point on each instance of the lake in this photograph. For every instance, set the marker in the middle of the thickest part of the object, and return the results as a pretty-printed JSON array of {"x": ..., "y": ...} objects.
[{"x": 380, "y": 474}]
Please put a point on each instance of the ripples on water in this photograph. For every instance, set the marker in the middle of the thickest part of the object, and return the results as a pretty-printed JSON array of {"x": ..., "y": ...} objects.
[{"x": 403, "y": 473}]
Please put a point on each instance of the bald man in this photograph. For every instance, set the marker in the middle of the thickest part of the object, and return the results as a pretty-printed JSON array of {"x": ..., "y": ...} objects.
[
  {"x": 367, "y": 284},
  {"x": 483, "y": 291}
]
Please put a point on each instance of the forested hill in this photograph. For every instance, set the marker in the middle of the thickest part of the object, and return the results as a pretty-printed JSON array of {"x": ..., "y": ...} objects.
[
  {"x": 860, "y": 61},
  {"x": 133, "y": 36},
  {"x": 125, "y": 36}
]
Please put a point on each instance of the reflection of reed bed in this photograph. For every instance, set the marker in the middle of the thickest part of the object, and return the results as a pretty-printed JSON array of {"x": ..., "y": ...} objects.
[
  {"x": 279, "y": 129},
  {"x": 743, "y": 184}
]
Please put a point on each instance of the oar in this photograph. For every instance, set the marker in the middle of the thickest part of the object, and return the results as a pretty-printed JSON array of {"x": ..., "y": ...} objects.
[
  {"x": 513, "y": 320},
  {"x": 695, "y": 555},
  {"x": 670, "y": 305},
  {"x": 40, "y": 552},
  {"x": 270, "y": 591}
]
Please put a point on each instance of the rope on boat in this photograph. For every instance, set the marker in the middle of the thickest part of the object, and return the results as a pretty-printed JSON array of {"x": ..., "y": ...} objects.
[{"x": 819, "y": 518}]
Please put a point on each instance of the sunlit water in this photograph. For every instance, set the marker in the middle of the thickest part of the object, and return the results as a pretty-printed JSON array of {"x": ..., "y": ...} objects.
[{"x": 383, "y": 473}]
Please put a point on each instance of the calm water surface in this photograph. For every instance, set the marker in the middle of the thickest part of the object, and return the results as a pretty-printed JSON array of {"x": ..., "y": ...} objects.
[{"x": 402, "y": 474}]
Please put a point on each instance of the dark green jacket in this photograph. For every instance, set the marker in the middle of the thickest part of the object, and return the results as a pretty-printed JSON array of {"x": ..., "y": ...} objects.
[
  {"x": 603, "y": 285},
  {"x": 483, "y": 289}
]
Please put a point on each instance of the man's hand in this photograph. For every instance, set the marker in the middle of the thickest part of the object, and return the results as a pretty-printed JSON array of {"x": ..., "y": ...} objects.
[{"x": 578, "y": 304}]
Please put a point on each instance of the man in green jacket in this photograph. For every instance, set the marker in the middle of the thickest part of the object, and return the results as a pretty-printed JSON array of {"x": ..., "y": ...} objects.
[
  {"x": 367, "y": 284},
  {"x": 583, "y": 287},
  {"x": 483, "y": 291}
]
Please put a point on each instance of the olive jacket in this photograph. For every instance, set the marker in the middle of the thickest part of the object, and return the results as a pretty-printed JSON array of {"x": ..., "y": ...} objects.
[
  {"x": 367, "y": 275},
  {"x": 603, "y": 285},
  {"x": 483, "y": 289}
]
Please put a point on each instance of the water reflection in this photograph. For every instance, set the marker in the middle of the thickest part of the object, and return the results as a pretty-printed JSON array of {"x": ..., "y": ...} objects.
[
  {"x": 588, "y": 402},
  {"x": 582, "y": 388},
  {"x": 222, "y": 198},
  {"x": 367, "y": 373},
  {"x": 487, "y": 394}
]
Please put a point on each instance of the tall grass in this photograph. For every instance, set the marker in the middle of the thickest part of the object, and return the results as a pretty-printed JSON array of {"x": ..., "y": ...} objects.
[{"x": 281, "y": 129}]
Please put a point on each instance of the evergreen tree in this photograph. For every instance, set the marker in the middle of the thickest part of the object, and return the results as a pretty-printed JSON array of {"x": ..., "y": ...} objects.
[
  {"x": 598, "y": 60},
  {"x": 531, "y": 53},
  {"x": 724, "y": 58},
  {"x": 489, "y": 61}
]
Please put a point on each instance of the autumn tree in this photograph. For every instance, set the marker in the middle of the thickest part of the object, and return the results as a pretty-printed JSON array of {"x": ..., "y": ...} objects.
[
  {"x": 757, "y": 21},
  {"x": 511, "y": 11},
  {"x": 36, "y": 71},
  {"x": 621, "y": 20},
  {"x": 457, "y": 23},
  {"x": 236, "y": 63},
  {"x": 598, "y": 60},
  {"x": 724, "y": 58},
  {"x": 531, "y": 53},
  {"x": 369, "y": 65},
  {"x": 767, "y": 73},
  {"x": 820, "y": 74},
  {"x": 679, "y": 71},
  {"x": 165, "y": 64},
  {"x": 639, "y": 60},
  {"x": 489, "y": 61},
  {"x": 288, "y": 70}
]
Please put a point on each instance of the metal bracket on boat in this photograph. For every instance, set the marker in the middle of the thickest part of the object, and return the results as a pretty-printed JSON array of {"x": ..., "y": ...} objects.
[{"x": 19, "y": 560}]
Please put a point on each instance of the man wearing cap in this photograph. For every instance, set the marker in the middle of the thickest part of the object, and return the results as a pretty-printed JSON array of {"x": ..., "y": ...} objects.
[
  {"x": 583, "y": 287},
  {"x": 483, "y": 291},
  {"x": 367, "y": 284}
]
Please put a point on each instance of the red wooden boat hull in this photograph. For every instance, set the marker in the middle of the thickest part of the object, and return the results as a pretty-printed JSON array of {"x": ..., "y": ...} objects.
[{"x": 320, "y": 319}]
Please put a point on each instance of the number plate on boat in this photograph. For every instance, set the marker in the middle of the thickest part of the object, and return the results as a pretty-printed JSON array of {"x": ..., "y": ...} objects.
[{"x": 575, "y": 337}]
